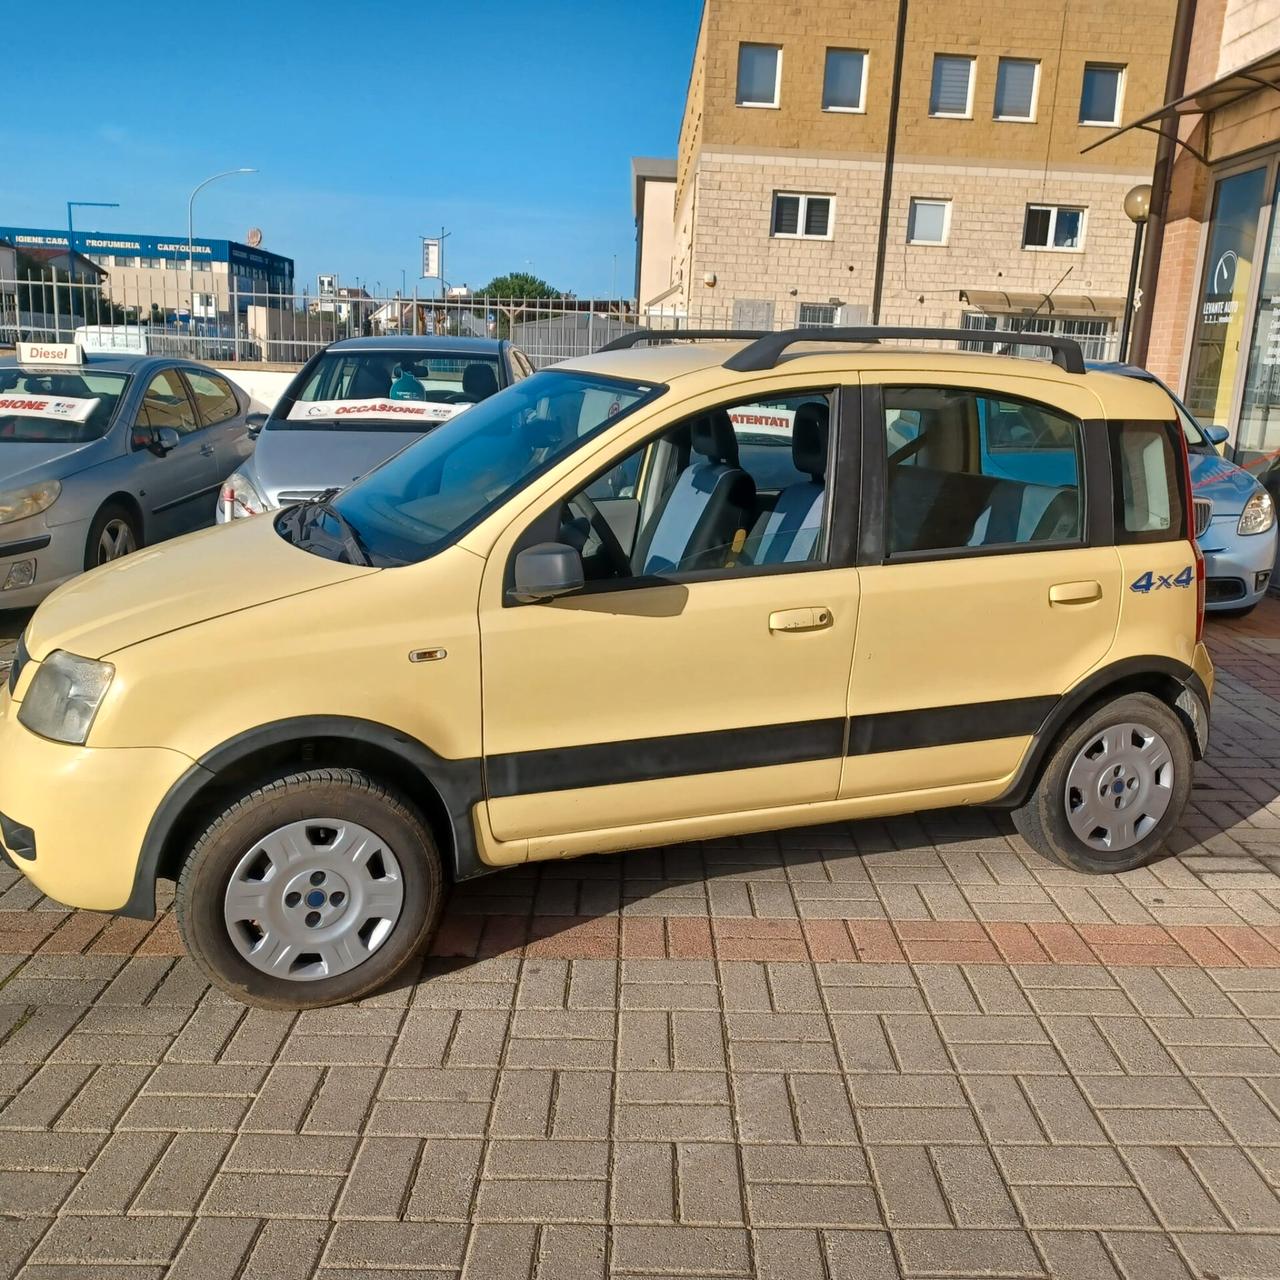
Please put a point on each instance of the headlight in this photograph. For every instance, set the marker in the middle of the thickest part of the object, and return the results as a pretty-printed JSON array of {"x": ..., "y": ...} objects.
[
  {"x": 20, "y": 503},
  {"x": 239, "y": 498},
  {"x": 1259, "y": 514},
  {"x": 65, "y": 696}
]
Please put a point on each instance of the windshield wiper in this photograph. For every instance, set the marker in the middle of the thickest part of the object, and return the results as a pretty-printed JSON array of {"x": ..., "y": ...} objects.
[{"x": 314, "y": 510}]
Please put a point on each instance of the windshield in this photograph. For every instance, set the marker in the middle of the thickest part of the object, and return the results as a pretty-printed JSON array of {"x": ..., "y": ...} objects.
[
  {"x": 424, "y": 497},
  {"x": 57, "y": 406},
  {"x": 382, "y": 390}
]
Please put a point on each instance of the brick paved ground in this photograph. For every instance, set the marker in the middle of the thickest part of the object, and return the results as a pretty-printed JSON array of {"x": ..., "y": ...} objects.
[{"x": 861, "y": 1051}]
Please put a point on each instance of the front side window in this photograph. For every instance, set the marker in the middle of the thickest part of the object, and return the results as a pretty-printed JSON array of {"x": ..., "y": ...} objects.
[
  {"x": 844, "y": 83},
  {"x": 951, "y": 93},
  {"x": 759, "y": 75},
  {"x": 165, "y": 404},
  {"x": 968, "y": 471},
  {"x": 928, "y": 221},
  {"x": 1016, "y": 83},
  {"x": 800, "y": 216},
  {"x": 1100, "y": 94},
  {"x": 215, "y": 401},
  {"x": 52, "y": 406},
  {"x": 426, "y": 496},
  {"x": 730, "y": 489},
  {"x": 1053, "y": 226}
]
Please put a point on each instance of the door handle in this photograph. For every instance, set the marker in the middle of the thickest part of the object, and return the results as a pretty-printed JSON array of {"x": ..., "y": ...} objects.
[
  {"x": 207, "y": 450},
  {"x": 815, "y": 618},
  {"x": 1075, "y": 592}
]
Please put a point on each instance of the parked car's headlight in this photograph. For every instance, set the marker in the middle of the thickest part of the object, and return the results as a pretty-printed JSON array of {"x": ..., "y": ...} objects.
[
  {"x": 65, "y": 696},
  {"x": 240, "y": 497},
  {"x": 17, "y": 504},
  {"x": 1259, "y": 514}
]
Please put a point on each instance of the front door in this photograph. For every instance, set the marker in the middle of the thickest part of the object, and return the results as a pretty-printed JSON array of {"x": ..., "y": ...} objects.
[
  {"x": 989, "y": 587},
  {"x": 705, "y": 668},
  {"x": 179, "y": 490}
]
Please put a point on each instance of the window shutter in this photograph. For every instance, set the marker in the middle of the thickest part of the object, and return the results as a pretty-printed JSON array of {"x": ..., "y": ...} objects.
[
  {"x": 817, "y": 214},
  {"x": 842, "y": 83},
  {"x": 1015, "y": 88},
  {"x": 786, "y": 215},
  {"x": 950, "y": 86}
]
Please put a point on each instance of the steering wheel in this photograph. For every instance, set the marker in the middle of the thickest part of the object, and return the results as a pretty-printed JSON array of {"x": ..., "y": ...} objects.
[
  {"x": 459, "y": 397},
  {"x": 618, "y": 558}
]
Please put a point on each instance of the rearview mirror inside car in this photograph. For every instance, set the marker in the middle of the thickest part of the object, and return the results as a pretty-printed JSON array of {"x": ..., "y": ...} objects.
[{"x": 547, "y": 570}]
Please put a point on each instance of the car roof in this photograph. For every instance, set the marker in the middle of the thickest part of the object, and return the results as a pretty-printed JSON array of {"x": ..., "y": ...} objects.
[
  {"x": 108, "y": 362},
  {"x": 407, "y": 342}
]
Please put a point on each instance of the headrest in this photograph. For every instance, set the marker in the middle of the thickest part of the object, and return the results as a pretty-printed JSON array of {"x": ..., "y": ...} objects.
[
  {"x": 479, "y": 381},
  {"x": 711, "y": 435},
  {"x": 809, "y": 439}
]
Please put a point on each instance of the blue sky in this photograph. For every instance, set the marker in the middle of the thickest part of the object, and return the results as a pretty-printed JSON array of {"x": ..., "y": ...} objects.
[{"x": 512, "y": 124}]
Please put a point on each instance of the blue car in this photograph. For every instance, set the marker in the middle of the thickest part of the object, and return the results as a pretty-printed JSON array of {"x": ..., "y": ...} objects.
[{"x": 1235, "y": 515}]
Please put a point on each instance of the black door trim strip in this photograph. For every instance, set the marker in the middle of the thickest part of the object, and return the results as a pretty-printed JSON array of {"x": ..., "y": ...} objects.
[{"x": 948, "y": 726}]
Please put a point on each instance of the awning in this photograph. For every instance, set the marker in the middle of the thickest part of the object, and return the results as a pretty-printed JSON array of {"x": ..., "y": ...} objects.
[
  {"x": 998, "y": 301},
  {"x": 1264, "y": 73}
]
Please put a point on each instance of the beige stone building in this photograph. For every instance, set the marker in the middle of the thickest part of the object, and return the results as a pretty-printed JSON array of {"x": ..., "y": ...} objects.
[{"x": 913, "y": 162}]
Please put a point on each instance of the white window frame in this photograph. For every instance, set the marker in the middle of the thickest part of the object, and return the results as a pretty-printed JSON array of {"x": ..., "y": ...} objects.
[
  {"x": 1122, "y": 73},
  {"x": 1054, "y": 209},
  {"x": 946, "y": 220},
  {"x": 1035, "y": 93},
  {"x": 861, "y": 108},
  {"x": 804, "y": 197},
  {"x": 967, "y": 113},
  {"x": 777, "y": 76}
]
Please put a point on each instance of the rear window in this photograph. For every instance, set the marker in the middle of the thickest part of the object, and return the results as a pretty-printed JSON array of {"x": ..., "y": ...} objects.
[{"x": 1147, "y": 468}]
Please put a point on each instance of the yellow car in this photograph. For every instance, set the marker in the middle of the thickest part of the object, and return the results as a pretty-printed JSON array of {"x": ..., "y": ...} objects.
[{"x": 670, "y": 592}]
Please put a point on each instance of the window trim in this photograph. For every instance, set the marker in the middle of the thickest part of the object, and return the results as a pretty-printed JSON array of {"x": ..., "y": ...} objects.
[
  {"x": 967, "y": 113},
  {"x": 804, "y": 198},
  {"x": 861, "y": 108},
  {"x": 946, "y": 221},
  {"x": 1053, "y": 209},
  {"x": 1122, "y": 76},
  {"x": 776, "y": 103},
  {"x": 839, "y": 534},
  {"x": 1035, "y": 93}
]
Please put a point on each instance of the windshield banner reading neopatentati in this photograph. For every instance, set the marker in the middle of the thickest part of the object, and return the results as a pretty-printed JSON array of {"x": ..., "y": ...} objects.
[
  {"x": 61, "y": 408},
  {"x": 398, "y": 410}
]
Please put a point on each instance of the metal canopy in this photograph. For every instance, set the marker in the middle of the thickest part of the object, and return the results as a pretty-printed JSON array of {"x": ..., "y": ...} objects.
[
  {"x": 1263, "y": 73},
  {"x": 1075, "y": 304}
]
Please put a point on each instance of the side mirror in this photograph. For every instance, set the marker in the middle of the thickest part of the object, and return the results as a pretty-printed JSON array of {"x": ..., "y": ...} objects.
[
  {"x": 255, "y": 422},
  {"x": 1216, "y": 435},
  {"x": 164, "y": 440},
  {"x": 547, "y": 570}
]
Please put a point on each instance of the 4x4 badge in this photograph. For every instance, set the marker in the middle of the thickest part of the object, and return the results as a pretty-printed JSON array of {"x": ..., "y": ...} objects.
[{"x": 1154, "y": 581}]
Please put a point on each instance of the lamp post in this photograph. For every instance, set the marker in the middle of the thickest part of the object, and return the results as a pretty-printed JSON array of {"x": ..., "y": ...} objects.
[
  {"x": 1137, "y": 205},
  {"x": 191, "y": 239},
  {"x": 71, "y": 235}
]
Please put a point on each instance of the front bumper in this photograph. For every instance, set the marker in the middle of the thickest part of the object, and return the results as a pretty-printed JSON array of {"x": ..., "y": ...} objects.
[
  {"x": 86, "y": 810},
  {"x": 1237, "y": 566},
  {"x": 47, "y": 554}
]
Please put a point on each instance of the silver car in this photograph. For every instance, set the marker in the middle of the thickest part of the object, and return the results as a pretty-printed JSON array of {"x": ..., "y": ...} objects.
[
  {"x": 101, "y": 457},
  {"x": 354, "y": 405}
]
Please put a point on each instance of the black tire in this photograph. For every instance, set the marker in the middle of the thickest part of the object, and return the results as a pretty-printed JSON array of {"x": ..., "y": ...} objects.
[
  {"x": 1043, "y": 820},
  {"x": 306, "y": 797},
  {"x": 114, "y": 513}
]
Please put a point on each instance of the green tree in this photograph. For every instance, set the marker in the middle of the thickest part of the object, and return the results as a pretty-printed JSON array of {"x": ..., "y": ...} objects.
[{"x": 518, "y": 284}]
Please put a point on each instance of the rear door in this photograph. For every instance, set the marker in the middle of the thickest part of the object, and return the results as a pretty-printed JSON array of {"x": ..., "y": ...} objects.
[
  {"x": 990, "y": 584},
  {"x": 221, "y": 417}
]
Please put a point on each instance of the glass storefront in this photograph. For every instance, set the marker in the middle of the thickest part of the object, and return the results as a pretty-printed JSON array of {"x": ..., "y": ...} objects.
[
  {"x": 1259, "y": 429},
  {"x": 1218, "y": 337}
]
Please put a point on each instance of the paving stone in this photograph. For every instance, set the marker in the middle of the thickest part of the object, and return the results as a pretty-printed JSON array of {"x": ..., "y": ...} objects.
[
  {"x": 111, "y": 1240},
  {"x": 180, "y": 1177},
  {"x": 286, "y": 1250},
  {"x": 968, "y": 1252},
  {"x": 215, "y": 1248},
  {"x": 710, "y": 1250}
]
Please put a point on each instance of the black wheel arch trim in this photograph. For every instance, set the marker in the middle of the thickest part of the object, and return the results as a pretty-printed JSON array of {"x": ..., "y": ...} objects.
[
  {"x": 458, "y": 784},
  {"x": 1113, "y": 676}
]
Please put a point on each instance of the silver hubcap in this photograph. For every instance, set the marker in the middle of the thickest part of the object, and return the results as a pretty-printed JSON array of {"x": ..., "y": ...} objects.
[
  {"x": 1119, "y": 786},
  {"x": 313, "y": 899},
  {"x": 117, "y": 540}
]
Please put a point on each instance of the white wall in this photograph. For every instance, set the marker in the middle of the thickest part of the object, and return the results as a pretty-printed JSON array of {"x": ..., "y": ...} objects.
[{"x": 263, "y": 386}]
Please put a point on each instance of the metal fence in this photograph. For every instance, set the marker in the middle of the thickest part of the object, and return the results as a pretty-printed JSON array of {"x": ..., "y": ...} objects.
[{"x": 235, "y": 326}]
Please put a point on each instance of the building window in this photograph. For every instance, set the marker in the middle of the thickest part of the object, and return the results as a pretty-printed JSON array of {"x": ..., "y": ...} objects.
[
  {"x": 844, "y": 85},
  {"x": 1017, "y": 82},
  {"x": 759, "y": 75},
  {"x": 1101, "y": 93},
  {"x": 928, "y": 221},
  {"x": 952, "y": 92},
  {"x": 1053, "y": 226},
  {"x": 799, "y": 216},
  {"x": 816, "y": 315}
]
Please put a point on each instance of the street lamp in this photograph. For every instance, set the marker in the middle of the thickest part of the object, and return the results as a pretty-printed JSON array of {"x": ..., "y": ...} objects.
[
  {"x": 191, "y": 239},
  {"x": 71, "y": 240},
  {"x": 1137, "y": 205}
]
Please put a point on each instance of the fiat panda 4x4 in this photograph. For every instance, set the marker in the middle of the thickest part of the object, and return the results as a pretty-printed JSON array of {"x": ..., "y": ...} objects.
[{"x": 670, "y": 592}]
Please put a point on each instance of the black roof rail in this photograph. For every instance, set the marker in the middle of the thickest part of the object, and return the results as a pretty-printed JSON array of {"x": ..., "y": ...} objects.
[
  {"x": 765, "y": 352},
  {"x": 637, "y": 336}
]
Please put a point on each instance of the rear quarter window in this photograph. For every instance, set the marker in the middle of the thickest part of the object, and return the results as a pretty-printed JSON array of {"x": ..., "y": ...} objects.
[{"x": 1148, "y": 479}]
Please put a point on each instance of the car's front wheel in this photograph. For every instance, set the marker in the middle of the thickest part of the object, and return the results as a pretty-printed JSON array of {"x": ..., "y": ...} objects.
[
  {"x": 311, "y": 890},
  {"x": 1113, "y": 789}
]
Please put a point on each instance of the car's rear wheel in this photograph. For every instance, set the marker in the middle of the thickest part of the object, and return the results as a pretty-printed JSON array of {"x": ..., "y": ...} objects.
[
  {"x": 1113, "y": 789},
  {"x": 113, "y": 533},
  {"x": 311, "y": 890}
]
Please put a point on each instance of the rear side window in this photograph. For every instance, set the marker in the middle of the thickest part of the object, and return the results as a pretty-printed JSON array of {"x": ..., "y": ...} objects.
[
  {"x": 215, "y": 400},
  {"x": 969, "y": 472},
  {"x": 1147, "y": 470}
]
